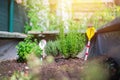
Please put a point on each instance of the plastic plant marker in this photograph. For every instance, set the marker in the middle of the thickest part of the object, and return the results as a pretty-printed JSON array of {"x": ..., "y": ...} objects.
[
  {"x": 90, "y": 33},
  {"x": 42, "y": 46},
  {"x": 87, "y": 50}
]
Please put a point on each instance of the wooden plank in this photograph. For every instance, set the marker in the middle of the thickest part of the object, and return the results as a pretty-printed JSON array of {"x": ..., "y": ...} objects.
[
  {"x": 47, "y": 32},
  {"x": 47, "y": 35},
  {"x": 4, "y": 34}
]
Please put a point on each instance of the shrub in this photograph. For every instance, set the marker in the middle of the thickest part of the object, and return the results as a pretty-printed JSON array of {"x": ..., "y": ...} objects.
[
  {"x": 72, "y": 42},
  {"x": 52, "y": 48},
  {"x": 75, "y": 43},
  {"x": 27, "y": 47}
]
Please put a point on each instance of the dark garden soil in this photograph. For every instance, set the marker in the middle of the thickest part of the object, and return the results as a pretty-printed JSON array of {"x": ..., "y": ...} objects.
[
  {"x": 60, "y": 69},
  {"x": 63, "y": 69},
  {"x": 7, "y": 68}
]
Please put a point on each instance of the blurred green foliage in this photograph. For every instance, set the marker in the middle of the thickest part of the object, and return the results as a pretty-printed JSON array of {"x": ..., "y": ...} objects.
[
  {"x": 41, "y": 17},
  {"x": 94, "y": 70},
  {"x": 27, "y": 28},
  {"x": 20, "y": 76},
  {"x": 37, "y": 14},
  {"x": 99, "y": 19}
]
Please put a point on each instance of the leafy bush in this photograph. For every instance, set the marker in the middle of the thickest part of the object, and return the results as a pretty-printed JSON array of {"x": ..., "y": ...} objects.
[
  {"x": 72, "y": 42},
  {"x": 39, "y": 15},
  {"x": 52, "y": 48},
  {"x": 27, "y": 28},
  {"x": 27, "y": 47}
]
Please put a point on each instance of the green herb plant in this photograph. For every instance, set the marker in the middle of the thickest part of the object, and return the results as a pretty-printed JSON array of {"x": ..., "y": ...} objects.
[
  {"x": 27, "y": 47},
  {"x": 72, "y": 42},
  {"x": 52, "y": 48}
]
